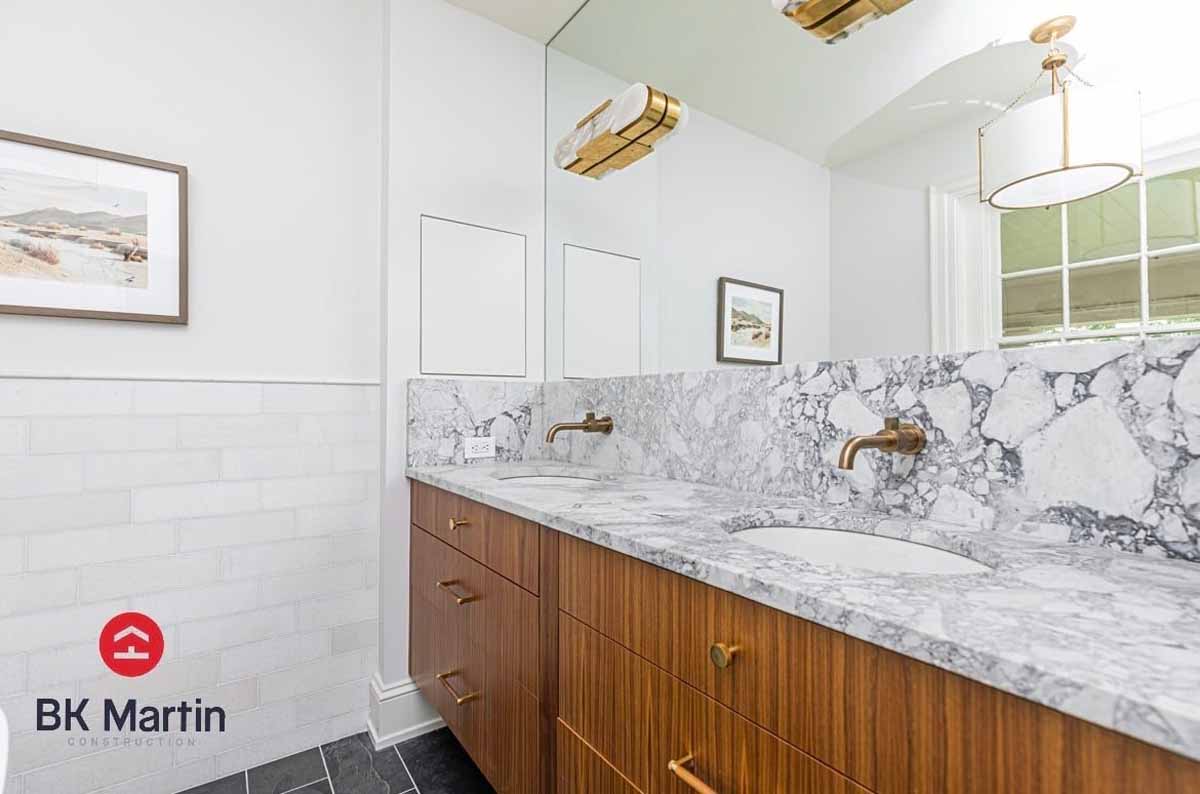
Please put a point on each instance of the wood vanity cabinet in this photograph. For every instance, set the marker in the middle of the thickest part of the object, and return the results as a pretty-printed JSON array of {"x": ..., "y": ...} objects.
[
  {"x": 587, "y": 671},
  {"x": 800, "y": 708},
  {"x": 475, "y": 646}
]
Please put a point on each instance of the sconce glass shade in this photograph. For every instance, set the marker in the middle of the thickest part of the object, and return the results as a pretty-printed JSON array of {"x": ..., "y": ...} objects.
[{"x": 1064, "y": 147}]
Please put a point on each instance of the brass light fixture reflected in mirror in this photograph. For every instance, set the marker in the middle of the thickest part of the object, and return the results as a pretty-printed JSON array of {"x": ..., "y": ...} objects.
[
  {"x": 1077, "y": 142},
  {"x": 620, "y": 131},
  {"x": 834, "y": 20}
]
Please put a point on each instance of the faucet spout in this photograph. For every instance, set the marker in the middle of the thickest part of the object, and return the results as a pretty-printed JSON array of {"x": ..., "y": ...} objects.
[
  {"x": 855, "y": 445},
  {"x": 906, "y": 439},
  {"x": 590, "y": 424}
]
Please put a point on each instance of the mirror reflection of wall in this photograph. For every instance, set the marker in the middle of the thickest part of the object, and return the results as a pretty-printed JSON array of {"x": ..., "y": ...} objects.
[
  {"x": 847, "y": 176},
  {"x": 713, "y": 201}
]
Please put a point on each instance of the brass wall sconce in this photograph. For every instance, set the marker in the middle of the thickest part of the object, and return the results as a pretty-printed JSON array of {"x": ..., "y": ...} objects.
[
  {"x": 620, "y": 131},
  {"x": 834, "y": 20}
]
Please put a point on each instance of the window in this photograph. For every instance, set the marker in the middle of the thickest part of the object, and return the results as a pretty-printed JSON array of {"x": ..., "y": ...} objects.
[{"x": 1121, "y": 264}]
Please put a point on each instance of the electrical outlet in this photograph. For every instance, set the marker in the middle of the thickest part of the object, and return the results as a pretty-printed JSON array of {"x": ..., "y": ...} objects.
[{"x": 479, "y": 447}]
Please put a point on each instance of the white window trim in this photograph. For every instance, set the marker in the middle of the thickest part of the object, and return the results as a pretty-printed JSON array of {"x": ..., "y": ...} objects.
[{"x": 964, "y": 260}]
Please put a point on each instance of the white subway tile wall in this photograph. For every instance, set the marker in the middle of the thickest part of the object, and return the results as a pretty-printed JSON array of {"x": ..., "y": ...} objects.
[{"x": 243, "y": 517}]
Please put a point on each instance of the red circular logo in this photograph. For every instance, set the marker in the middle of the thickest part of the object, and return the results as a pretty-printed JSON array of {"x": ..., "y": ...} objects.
[{"x": 131, "y": 644}]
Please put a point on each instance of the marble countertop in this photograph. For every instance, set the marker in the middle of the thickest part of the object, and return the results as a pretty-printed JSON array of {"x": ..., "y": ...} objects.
[{"x": 1109, "y": 637}]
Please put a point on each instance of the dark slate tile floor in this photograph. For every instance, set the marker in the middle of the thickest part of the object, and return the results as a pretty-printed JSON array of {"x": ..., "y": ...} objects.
[{"x": 431, "y": 764}]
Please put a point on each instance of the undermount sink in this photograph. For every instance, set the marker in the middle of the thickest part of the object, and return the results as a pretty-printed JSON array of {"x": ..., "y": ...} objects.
[
  {"x": 858, "y": 550},
  {"x": 550, "y": 479}
]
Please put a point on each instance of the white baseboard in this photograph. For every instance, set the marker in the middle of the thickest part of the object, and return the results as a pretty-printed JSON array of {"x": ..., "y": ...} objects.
[{"x": 398, "y": 712}]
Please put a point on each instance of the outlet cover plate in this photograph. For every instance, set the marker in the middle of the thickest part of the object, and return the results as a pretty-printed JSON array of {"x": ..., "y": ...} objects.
[{"x": 479, "y": 447}]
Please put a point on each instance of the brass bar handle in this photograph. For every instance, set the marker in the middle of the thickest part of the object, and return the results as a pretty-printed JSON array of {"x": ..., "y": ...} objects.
[
  {"x": 679, "y": 768},
  {"x": 722, "y": 655},
  {"x": 458, "y": 699},
  {"x": 455, "y": 523},
  {"x": 461, "y": 596}
]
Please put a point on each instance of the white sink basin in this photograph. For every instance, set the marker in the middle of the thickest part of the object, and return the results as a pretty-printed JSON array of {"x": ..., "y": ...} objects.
[
  {"x": 857, "y": 550},
  {"x": 551, "y": 479}
]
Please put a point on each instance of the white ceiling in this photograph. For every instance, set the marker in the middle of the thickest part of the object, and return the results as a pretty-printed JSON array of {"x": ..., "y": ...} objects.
[
  {"x": 742, "y": 61},
  {"x": 932, "y": 64},
  {"x": 537, "y": 19},
  {"x": 977, "y": 87}
]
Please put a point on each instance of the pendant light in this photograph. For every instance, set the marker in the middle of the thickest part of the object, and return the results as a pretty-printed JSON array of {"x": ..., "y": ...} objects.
[{"x": 1077, "y": 142}]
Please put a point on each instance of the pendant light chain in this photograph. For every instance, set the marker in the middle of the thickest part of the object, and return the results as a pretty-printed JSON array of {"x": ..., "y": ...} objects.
[
  {"x": 1074, "y": 74},
  {"x": 1016, "y": 101}
]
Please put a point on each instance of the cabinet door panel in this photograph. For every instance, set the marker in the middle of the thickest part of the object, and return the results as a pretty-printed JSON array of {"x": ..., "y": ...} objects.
[
  {"x": 640, "y": 718},
  {"x": 513, "y": 707},
  {"x": 422, "y": 500},
  {"x": 431, "y": 644},
  {"x": 582, "y": 771},
  {"x": 510, "y": 547},
  {"x": 475, "y": 638},
  {"x": 503, "y": 542},
  {"x": 454, "y": 516}
]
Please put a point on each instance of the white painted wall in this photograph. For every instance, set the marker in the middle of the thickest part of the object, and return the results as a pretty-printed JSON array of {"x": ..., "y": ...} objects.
[
  {"x": 711, "y": 201},
  {"x": 473, "y": 283},
  {"x": 618, "y": 214},
  {"x": 274, "y": 107},
  {"x": 879, "y": 269},
  {"x": 243, "y": 516},
  {"x": 465, "y": 141},
  {"x": 731, "y": 204}
]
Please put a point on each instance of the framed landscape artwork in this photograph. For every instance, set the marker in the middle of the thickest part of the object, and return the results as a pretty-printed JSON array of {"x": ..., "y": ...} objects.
[
  {"x": 90, "y": 233},
  {"x": 749, "y": 322}
]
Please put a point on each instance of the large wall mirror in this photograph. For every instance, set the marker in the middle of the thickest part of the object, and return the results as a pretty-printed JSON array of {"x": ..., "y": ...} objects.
[{"x": 848, "y": 175}]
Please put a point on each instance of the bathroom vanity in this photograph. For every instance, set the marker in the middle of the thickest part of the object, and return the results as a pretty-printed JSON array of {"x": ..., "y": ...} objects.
[{"x": 611, "y": 634}]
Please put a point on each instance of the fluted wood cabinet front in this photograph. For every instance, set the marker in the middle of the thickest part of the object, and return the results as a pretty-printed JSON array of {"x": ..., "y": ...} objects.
[
  {"x": 889, "y": 723},
  {"x": 474, "y": 653},
  {"x": 640, "y": 719}
]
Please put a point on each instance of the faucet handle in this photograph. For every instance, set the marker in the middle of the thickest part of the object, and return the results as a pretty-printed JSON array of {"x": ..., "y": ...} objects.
[
  {"x": 590, "y": 416},
  {"x": 891, "y": 423}
]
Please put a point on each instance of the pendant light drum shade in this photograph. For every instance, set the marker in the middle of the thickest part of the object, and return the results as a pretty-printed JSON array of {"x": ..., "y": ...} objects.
[{"x": 1064, "y": 147}]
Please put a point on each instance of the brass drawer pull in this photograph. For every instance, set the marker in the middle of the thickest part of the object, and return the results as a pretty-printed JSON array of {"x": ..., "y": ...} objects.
[
  {"x": 455, "y": 523},
  {"x": 722, "y": 654},
  {"x": 460, "y": 597},
  {"x": 458, "y": 699},
  {"x": 679, "y": 768}
]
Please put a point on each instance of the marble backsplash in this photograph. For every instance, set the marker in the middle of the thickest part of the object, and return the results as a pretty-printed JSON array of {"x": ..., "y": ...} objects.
[
  {"x": 442, "y": 412},
  {"x": 1095, "y": 443}
]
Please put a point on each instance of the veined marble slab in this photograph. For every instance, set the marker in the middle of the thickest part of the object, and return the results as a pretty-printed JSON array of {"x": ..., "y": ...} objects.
[
  {"x": 1110, "y": 638},
  {"x": 443, "y": 412},
  {"x": 1095, "y": 443}
]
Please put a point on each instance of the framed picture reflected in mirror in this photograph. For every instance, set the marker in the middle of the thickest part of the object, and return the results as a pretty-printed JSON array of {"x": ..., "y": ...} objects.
[{"x": 749, "y": 322}]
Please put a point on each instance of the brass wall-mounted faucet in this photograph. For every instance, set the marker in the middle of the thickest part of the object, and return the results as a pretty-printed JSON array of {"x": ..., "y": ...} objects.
[
  {"x": 906, "y": 439},
  {"x": 590, "y": 424}
]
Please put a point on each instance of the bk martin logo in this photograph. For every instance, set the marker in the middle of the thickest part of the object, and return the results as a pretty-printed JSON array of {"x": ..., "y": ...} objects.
[{"x": 131, "y": 644}]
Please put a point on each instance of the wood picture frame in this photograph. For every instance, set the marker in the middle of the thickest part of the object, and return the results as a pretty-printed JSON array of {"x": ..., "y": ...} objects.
[
  {"x": 91, "y": 259},
  {"x": 754, "y": 335}
]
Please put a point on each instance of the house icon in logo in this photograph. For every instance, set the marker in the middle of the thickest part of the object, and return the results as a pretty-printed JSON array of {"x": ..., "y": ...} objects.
[{"x": 131, "y": 651}]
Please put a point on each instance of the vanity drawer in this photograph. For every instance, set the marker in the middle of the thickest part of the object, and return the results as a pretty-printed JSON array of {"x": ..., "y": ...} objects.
[
  {"x": 582, "y": 771},
  {"x": 474, "y": 654},
  {"x": 785, "y": 674},
  {"x": 891, "y": 723},
  {"x": 448, "y": 635},
  {"x": 641, "y": 718},
  {"x": 503, "y": 542}
]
